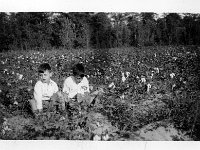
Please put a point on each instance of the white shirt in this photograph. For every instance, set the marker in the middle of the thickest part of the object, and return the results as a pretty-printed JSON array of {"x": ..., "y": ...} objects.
[
  {"x": 44, "y": 91},
  {"x": 72, "y": 88}
]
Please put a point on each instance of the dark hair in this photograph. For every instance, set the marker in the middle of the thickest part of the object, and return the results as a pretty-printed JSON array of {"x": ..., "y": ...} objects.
[
  {"x": 78, "y": 70},
  {"x": 43, "y": 67}
]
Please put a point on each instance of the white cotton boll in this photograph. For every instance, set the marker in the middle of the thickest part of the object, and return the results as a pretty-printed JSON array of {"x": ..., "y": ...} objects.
[
  {"x": 127, "y": 74},
  {"x": 151, "y": 75},
  {"x": 123, "y": 77},
  {"x": 173, "y": 86},
  {"x": 98, "y": 124},
  {"x": 122, "y": 96},
  {"x": 105, "y": 137},
  {"x": 157, "y": 70},
  {"x": 187, "y": 52},
  {"x": 15, "y": 103},
  {"x": 96, "y": 138},
  {"x": 20, "y": 76},
  {"x": 172, "y": 75},
  {"x": 148, "y": 87},
  {"x": 0, "y": 90},
  {"x": 174, "y": 58},
  {"x": 107, "y": 77},
  {"x": 3, "y": 132},
  {"x": 5, "y": 70},
  {"x": 13, "y": 72},
  {"x": 143, "y": 79},
  {"x": 111, "y": 85}
]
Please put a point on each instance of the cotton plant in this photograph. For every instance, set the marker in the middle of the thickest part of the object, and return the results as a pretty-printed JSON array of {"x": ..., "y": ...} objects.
[
  {"x": 111, "y": 85},
  {"x": 148, "y": 87},
  {"x": 157, "y": 69},
  {"x": 5, "y": 127},
  {"x": 172, "y": 75},
  {"x": 127, "y": 74},
  {"x": 3, "y": 62},
  {"x": 5, "y": 70},
  {"x": 19, "y": 76},
  {"x": 123, "y": 77},
  {"x": 143, "y": 79}
]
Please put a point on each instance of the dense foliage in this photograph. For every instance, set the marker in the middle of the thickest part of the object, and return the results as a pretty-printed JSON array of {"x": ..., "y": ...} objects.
[
  {"x": 45, "y": 30},
  {"x": 139, "y": 86}
]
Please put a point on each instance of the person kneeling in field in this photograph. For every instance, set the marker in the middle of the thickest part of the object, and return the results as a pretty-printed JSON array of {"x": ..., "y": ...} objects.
[
  {"x": 76, "y": 87},
  {"x": 46, "y": 94}
]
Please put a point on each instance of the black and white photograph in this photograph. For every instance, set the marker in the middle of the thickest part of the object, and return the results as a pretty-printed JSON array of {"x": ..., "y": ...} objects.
[{"x": 100, "y": 75}]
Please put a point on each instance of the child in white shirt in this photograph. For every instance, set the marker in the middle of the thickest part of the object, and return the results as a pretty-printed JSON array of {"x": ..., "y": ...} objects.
[
  {"x": 45, "y": 90},
  {"x": 77, "y": 83}
]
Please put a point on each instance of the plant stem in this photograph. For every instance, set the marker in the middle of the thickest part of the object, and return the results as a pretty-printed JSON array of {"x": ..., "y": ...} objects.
[{"x": 195, "y": 119}]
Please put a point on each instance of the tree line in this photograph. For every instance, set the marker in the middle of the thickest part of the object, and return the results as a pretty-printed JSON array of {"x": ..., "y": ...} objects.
[{"x": 47, "y": 30}]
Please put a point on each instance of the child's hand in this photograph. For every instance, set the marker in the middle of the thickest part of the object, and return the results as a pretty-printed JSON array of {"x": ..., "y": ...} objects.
[
  {"x": 65, "y": 97},
  {"x": 84, "y": 88},
  {"x": 86, "y": 93},
  {"x": 39, "y": 110},
  {"x": 80, "y": 97}
]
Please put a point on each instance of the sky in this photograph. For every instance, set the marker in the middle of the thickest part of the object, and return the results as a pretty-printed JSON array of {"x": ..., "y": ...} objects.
[{"x": 158, "y": 6}]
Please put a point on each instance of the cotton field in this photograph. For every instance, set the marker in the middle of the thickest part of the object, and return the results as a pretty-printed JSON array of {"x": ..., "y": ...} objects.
[{"x": 139, "y": 87}]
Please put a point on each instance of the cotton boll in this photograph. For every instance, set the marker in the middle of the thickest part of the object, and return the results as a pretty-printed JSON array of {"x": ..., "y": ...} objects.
[
  {"x": 172, "y": 75},
  {"x": 127, "y": 74},
  {"x": 122, "y": 96},
  {"x": 105, "y": 137},
  {"x": 123, "y": 77},
  {"x": 148, "y": 87},
  {"x": 15, "y": 103},
  {"x": 111, "y": 85},
  {"x": 20, "y": 76},
  {"x": 143, "y": 79},
  {"x": 157, "y": 70},
  {"x": 97, "y": 138}
]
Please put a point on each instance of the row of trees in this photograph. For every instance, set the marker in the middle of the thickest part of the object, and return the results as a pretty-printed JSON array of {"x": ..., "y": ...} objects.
[{"x": 44, "y": 30}]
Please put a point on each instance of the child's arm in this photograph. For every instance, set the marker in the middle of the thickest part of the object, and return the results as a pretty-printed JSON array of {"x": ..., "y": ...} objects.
[
  {"x": 56, "y": 89},
  {"x": 38, "y": 96},
  {"x": 65, "y": 86},
  {"x": 85, "y": 86},
  {"x": 66, "y": 89}
]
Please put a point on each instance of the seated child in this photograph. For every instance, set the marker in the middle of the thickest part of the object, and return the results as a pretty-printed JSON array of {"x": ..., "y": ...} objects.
[
  {"x": 76, "y": 87},
  {"x": 77, "y": 84},
  {"x": 45, "y": 91}
]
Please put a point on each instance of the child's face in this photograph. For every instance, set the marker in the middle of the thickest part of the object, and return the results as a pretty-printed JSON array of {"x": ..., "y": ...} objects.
[
  {"x": 45, "y": 77},
  {"x": 78, "y": 79}
]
